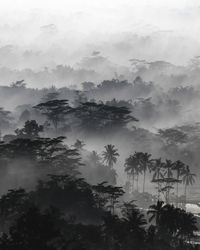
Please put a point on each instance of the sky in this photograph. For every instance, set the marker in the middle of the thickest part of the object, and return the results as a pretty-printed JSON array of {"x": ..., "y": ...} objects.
[
  {"x": 106, "y": 16},
  {"x": 79, "y": 22}
]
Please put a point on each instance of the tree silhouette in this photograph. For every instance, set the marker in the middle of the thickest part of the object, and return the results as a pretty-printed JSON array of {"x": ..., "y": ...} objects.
[
  {"x": 188, "y": 179},
  {"x": 55, "y": 110},
  {"x": 135, "y": 226},
  {"x": 178, "y": 166},
  {"x": 110, "y": 155},
  {"x": 168, "y": 179},
  {"x": 156, "y": 211},
  {"x": 79, "y": 144},
  {"x": 5, "y": 118},
  {"x": 108, "y": 195},
  {"x": 158, "y": 176},
  {"x": 132, "y": 168},
  {"x": 95, "y": 117},
  {"x": 145, "y": 164},
  {"x": 30, "y": 130}
]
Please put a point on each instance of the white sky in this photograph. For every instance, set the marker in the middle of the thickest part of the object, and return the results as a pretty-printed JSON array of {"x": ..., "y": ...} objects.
[
  {"x": 89, "y": 21},
  {"x": 108, "y": 15}
]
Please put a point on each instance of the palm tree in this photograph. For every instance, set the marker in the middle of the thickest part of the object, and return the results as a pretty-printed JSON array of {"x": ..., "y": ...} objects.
[
  {"x": 132, "y": 168},
  {"x": 145, "y": 164},
  {"x": 138, "y": 169},
  {"x": 178, "y": 167},
  {"x": 135, "y": 223},
  {"x": 157, "y": 175},
  {"x": 94, "y": 157},
  {"x": 188, "y": 179},
  {"x": 168, "y": 178},
  {"x": 110, "y": 155},
  {"x": 156, "y": 211}
]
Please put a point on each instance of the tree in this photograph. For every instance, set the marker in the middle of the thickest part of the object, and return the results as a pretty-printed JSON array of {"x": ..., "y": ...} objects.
[
  {"x": 173, "y": 136},
  {"x": 5, "y": 118},
  {"x": 87, "y": 86},
  {"x": 95, "y": 117},
  {"x": 110, "y": 155},
  {"x": 156, "y": 211},
  {"x": 55, "y": 110},
  {"x": 18, "y": 84},
  {"x": 178, "y": 166},
  {"x": 50, "y": 96},
  {"x": 188, "y": 179},
  {"x": 65, "y": 162},
  {"x": 135, "y": 224},
  {"x": 145, "y": 164},
  {"x": 176, "y": 224},
  {"x": 132, "y": 168},
  {"x": 168, "y": 179},
  {"x": 79, "y": 144},
  {"x": 95, "y": 158},
  {"x": 108, "y": 195},
  {"x": 158, "y": 176},
  {"x": 30, "y": 130},
  {"x": 34, "y": 230}
]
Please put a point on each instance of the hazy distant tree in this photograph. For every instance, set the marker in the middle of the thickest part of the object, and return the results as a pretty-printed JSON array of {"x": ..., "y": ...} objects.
[
  {"x": 55, "y": 110},
  {"x": 110, "y": 155},
  {"x": 95, "y": 171},
  {"x": 158, "y": 176},
  {"x": 173, "y": 136},
  {"x": 79, "y": 144},
  {"x": 18, "y": 84},
  {"x": 114, "y": 84},
  {"x": 95, "y": 157},
  {"x": 179, "y": 167},
  {"x": 79, "y": 98},
  {"x": 50, "y": 96},
  {"x": 132, "y": 168},
  {"x": 120, "y": 103},
  {"x": 5, "y": 118},
  {"x": 188, "y": 179},
  {"x": 168, "y": 179},
  {"x": 87, "y": 86},
  {"x": 25, "y": 116}
]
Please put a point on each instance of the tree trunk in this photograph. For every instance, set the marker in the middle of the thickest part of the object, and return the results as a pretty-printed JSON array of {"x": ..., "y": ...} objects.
[
  {"x": 158, "y": 191},
  {"x": 137, "y": 181},
  {"x": 185, "y": 194},
  {"x": 144, "y": 181},
  {"x": 133, "y": 183},
  {"x": 177, "y": 189}
]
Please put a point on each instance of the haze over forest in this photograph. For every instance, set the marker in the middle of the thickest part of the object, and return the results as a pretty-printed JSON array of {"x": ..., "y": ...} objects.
[{"x": 99, "y": 125}]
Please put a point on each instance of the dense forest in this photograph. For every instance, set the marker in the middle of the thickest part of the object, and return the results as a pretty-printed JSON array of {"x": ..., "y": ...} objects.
[{"x": 112, "y": 165}]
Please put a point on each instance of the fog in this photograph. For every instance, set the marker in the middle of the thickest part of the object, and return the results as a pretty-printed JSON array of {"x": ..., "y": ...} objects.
[
  {"x": 99, "y": 124},
  {"x": 37, "y": 34}
]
